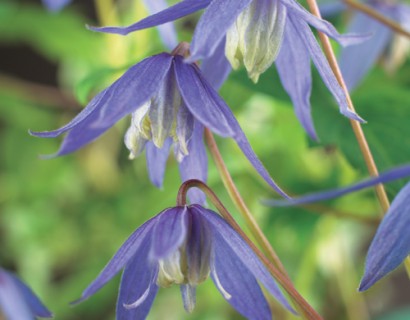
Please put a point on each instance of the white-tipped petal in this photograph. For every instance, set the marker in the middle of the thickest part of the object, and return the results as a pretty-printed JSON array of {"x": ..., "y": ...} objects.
[
  {"x": 134, "y": 142},
  {"x": 218, "y": 284},
  {"x": 139, "y": 301}
]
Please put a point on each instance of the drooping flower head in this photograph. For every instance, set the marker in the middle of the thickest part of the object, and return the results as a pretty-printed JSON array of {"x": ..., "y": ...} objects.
[
  {"x": 17, "y": 301},
  {"x": 170, "y": 102},
  {"x": 183, "y": 246},
  {"x": 254, "y": 31}
]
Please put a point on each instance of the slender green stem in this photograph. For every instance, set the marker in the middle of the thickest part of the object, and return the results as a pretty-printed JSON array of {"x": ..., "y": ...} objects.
[
  {"x": 357, "y": 129},
  {"x": 307, "y": 311},
  {"x": 396, "y": 27}
]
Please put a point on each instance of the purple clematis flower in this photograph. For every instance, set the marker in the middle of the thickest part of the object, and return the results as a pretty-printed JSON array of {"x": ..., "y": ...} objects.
[
  {"x": 17, "y": 301},
  {"x": 252, "y": 32},
  {"x": 356, "y": 61},
  {"x": 183, "y": 246},
  {"x": 56, "y": 5},
  {"x": 170, "y": 102}
]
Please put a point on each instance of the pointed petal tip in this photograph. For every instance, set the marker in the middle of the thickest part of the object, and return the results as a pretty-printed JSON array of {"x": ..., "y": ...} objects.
[
  {"x": 43, "y": 134},
  {"x": 314, "y": 136},
  {"x": 114, "y": 30},
  {"x": 353, "y": 115},
  {"x": 48, "y": 156},
  {"x": 77, "y": 301},
  {"x": 354, "y": 38},
  {"x": 364, "y": 284}
]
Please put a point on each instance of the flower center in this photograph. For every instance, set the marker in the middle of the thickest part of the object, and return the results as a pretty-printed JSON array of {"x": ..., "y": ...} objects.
[
  {"x": 190, "y": 263},
  {"x": 163, "y": 116}
]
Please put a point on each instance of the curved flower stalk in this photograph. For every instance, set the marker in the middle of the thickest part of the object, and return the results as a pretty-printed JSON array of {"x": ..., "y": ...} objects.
[
  {"x": 356, "y": 61},
  {"x": 17, "y": 301},
  {"x": 183, "y": 246},
  {"x": 254, "y": 31},
  {"x": 55, "y": 5},
  {"x": 170, "y": 102}
]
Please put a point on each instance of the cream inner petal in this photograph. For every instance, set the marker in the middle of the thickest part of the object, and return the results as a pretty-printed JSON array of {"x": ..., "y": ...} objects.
[
  {"x": 256, "y": 36},
  {"x": 163, "y": 116}
]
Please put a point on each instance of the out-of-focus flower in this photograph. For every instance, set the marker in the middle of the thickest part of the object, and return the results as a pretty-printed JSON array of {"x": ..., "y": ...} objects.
[
  {"x": 56, "y": 5},
  {"x": 356, "y": 61},
  {"x": 183, "y": 246},
  {"x": 391, "y": 244},
  {"x": 253, "y": 31},
  {"x": 170, "y": 101},
  {"x": 17, "y": 301},
  {"x": 167, "y": 31}
]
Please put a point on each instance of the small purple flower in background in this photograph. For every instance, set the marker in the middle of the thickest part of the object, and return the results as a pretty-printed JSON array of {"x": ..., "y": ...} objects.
[
  {"x": 252, "y": 32},
  {"x": 56, "y": 5},
  {"x": 17, "y": 301},
  {"x": 356, "y": 61},
  {"x": 183, "y": 246},
  {"x": 170, "y": 102},
  {"x": 167, "y": 31}
]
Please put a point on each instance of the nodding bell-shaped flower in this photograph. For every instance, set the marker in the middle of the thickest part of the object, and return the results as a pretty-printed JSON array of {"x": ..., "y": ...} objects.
[
  {"x": 184, "y": 245},
  {"x": 255, "y": 37},
  {"x": 255, "y": 33},
  {"x": 170, "y": 102},
  {"x": 17, "y": 301}
]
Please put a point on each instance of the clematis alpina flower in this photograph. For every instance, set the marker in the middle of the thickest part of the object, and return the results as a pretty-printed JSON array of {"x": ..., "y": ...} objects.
[
  {"x": 55, "y": 5},
  {"x": 17, "y": 301},
  {"x": 170, "y": 102},
  {"x": 357, "y": 61},
  {"x": 183, "y": 246},
  {"x": 254, "y": 31}
]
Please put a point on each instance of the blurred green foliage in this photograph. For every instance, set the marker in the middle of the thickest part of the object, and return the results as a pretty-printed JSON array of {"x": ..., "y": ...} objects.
[{"x": 62, "y": 219}]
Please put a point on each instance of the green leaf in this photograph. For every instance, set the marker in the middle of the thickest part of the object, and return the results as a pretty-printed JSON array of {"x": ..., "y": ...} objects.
[
  {"x": 383, "y": 103},
  {"x": 58, "y": 36}
]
